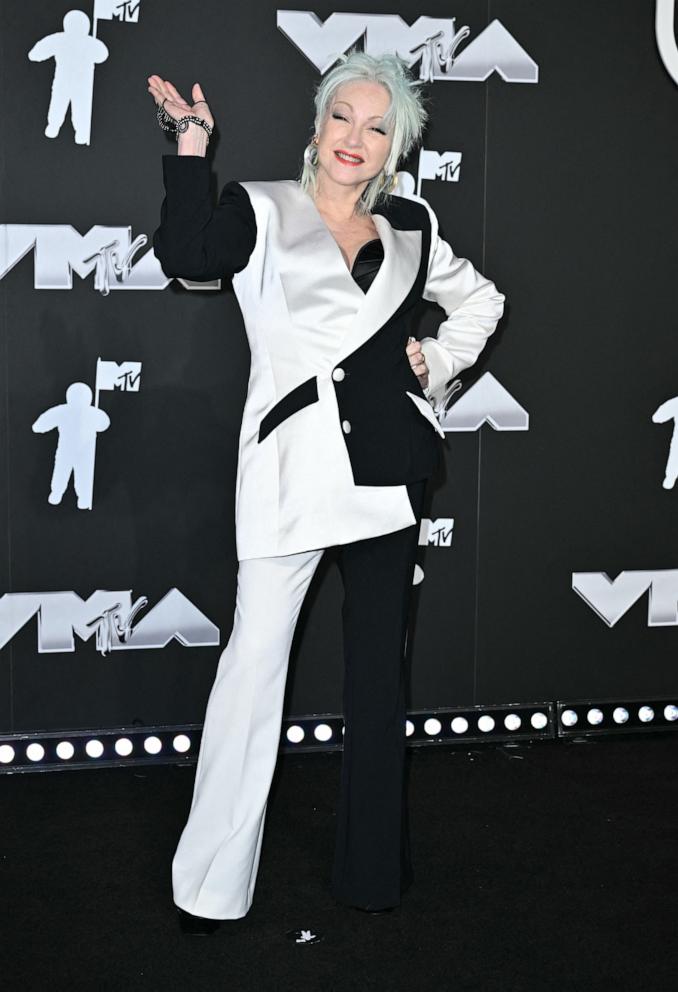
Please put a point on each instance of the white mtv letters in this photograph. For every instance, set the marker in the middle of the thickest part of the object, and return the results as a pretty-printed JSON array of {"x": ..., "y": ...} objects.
[
  {"x": 437, "y": 532},
  {"x": 440, "y": 166},
  {"x": 487, "y": 401},
  {"x": 78, "y": 422},
  {"x": 610, "y": 598},
  {"x": 76, "y": 53},
  {"x": 665, "y": 35},
  {"x": 61, "y": 614},
  {"x": 669, "y": 411},
  {"x": 59, "y": 251},
  {"x": 431, "y": 41}
]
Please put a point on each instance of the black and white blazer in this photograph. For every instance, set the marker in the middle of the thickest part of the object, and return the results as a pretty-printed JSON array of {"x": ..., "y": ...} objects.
[{"x": 335, "y": 422}]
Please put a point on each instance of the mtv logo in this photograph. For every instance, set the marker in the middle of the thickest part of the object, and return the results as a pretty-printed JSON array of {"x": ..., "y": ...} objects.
[
  {"x": 115, "y": 10},
  {"x": 444, "y": 166},
  {"x": 437, "y": 532}
]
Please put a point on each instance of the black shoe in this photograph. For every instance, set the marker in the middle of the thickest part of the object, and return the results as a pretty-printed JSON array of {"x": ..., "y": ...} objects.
[{"x": 197, "y": 926}]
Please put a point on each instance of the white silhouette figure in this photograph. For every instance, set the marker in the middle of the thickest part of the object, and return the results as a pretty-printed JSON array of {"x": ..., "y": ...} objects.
[
  {"x": 665, "y": 412},
  {"x": 78, "y": 423},
  {"x": 75, "y": 53}
]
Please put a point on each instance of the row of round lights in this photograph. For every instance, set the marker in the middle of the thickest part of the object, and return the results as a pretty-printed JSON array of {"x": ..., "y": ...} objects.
[
  {"x": 94, "y": 748},
  {"x": 432, "y": 726},
  {"x": 620, "y": 715}
]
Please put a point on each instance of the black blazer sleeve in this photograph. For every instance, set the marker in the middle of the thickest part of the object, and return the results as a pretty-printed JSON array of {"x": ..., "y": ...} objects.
[{"x": 197, "y": 240}]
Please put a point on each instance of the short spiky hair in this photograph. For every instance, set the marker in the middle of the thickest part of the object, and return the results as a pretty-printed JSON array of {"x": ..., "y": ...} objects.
[{"x": 405, "y": 117}]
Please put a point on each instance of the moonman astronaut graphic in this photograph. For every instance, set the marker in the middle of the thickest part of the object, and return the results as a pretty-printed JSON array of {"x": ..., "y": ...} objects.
[
  {"x": 665, "y": 412},
  {"x": 78, "y": 423},
  {"x": 75, "y": 53}
]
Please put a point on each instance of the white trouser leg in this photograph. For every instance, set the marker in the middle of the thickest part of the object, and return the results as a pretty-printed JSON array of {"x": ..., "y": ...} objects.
[{"x": 215, "y": 865}]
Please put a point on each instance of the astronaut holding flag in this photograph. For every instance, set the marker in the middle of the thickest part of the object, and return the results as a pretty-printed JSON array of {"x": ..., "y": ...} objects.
[
  {"x": 76, "y": 54},
  {"x": 78, "y": 422}
]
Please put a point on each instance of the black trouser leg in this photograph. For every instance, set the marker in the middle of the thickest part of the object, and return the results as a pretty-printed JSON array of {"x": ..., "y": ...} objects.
[{"x": 372, "y": 855}]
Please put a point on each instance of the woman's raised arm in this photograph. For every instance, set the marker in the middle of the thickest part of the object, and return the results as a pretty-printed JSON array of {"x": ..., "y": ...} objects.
[{"x": 197, "y": 240}]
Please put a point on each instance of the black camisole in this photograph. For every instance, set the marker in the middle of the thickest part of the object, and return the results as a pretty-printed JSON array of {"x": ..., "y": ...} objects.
[{"x": 367, "y": 263}]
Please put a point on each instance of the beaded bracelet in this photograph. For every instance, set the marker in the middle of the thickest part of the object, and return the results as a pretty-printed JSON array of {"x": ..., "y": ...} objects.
[
  {"x": 168, "y": 123},
  {"x": 183, "y": 122}
]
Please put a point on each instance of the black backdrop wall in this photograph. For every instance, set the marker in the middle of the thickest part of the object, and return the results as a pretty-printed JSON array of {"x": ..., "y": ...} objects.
[{"x": 558, "y": 137}]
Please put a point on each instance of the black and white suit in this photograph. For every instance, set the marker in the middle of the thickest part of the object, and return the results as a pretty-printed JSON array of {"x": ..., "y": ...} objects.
[
  {"x": 337, "y": 440},
  {"x": 335, "y": 421}
]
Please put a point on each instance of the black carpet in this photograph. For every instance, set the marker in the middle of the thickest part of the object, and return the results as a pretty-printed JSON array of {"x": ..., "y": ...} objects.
[{"x": 544, "y": 867}]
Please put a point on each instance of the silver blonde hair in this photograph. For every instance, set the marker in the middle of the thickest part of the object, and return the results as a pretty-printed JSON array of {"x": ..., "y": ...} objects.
[{"x": 404, "y": 119}]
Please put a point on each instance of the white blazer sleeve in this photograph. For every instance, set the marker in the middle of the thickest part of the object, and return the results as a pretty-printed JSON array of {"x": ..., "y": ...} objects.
[{"x": 473, "y": 305}]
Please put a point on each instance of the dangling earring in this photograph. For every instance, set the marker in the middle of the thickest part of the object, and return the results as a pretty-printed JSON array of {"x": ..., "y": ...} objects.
[
  {"x": 311, "y": 152},
  {"x": 389, "y": 182}
]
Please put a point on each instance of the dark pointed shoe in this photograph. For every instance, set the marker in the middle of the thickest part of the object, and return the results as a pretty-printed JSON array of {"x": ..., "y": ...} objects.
[{"x": 196, "y": 926}]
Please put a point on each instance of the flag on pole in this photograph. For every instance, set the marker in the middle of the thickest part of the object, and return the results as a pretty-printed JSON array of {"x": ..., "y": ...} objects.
[
  {"x": 116, "y": 10},
  {"x": 125, "y": 376}
]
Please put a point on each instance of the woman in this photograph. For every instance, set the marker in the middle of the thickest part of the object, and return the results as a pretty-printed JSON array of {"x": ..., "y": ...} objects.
[{"x": 338, "y": 437}]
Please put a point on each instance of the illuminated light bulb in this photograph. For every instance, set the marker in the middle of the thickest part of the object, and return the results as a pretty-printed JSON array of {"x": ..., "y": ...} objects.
[
  {"x": 432, "y": 726},
  {"x": 486, "y": 723},
  {"x": 94, "y": 748},
  {"x": 459, "y": 725},
  {"x": 35, "y": 752},
  {"x": 6, "y": 753},
  {"x": 418, "y": 577},
  {"x": 671, "y": 712},
  {"x": 152, "y": 745},
  {"x": 295, "y": 734},
  {"x": 181, "y": 743},
  {"x": 65, "y": 750},
  {"x": 620, "y": 714},
  {"x": 539, "y": 720},
  {"x": 512, "y": 721},
  {"x": 409, "y": 728},
  {"x": 124, "y": 747},
  {"x": 323, "y": 732},
  {"x": 594, "y": 716},
  {"x": 569, "y": 718},
  {"x": 645, "y": 714}
]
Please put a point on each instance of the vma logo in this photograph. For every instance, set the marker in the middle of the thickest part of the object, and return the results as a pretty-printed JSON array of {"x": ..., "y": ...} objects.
[
  {"x": 487, "y": 401},
  {"x": 432, "y": 42},
  {"x": 108, "y": 252},
  {"x": 610, "y": 598},
  {"x": 108, "y": 614}
]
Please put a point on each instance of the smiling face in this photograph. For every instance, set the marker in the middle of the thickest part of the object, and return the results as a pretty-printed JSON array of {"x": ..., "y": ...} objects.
[{"x": 352, "y": 141}]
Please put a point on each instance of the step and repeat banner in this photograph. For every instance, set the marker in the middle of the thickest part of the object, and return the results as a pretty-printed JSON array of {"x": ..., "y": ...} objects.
[{"x": 548, "y": 560}]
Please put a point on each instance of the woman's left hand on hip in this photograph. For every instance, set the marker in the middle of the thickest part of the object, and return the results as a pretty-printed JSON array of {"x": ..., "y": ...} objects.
[{"x": 417, "y": 361}]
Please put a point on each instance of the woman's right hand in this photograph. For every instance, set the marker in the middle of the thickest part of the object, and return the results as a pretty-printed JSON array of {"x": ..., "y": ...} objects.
[{"x": 167, "y": 95}]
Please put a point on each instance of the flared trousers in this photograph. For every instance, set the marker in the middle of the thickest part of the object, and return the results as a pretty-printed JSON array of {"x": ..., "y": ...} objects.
[{"x": 215, "y": 865}]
